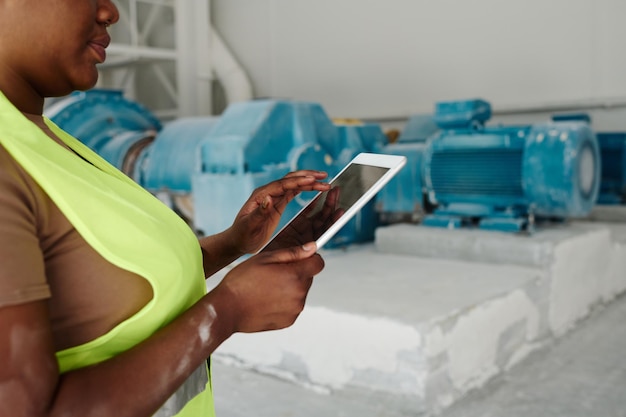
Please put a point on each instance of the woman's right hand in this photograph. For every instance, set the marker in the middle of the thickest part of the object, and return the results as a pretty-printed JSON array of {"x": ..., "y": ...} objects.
[{"x": 268, "y": 291}]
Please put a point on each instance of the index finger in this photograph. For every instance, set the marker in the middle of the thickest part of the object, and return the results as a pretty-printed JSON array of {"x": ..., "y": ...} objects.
[
  {"x": 319, "y": 175},
  {"x": 295, "y": 184}
]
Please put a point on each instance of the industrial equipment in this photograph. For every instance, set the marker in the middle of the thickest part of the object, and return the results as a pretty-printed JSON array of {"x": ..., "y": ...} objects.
[
  {"x": 206, "y": 167},
  {"x": 507, "y": 177},
  {"x": 403, "y": 199},
  {"x": 112, "y": 126},
  {"x": 613, "y": 151},
  {"x": 613, "y": 155}
]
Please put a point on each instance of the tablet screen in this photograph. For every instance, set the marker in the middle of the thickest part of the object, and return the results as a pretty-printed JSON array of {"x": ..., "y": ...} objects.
[{"x": 327, "y": 207}]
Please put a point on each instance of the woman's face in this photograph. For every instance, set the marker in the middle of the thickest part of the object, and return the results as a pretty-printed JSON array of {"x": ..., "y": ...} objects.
[{"x": 54, "y": 45}]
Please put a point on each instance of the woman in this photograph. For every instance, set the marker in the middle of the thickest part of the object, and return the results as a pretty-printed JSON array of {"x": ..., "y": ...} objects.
[{"x": 103, "y": 308}]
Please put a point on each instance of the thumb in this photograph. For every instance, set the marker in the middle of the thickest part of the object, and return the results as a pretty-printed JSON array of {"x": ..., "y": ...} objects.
[{"x": 294, "y": 253}]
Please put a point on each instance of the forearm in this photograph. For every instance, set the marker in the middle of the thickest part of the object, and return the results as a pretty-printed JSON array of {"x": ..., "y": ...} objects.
[
  {"x": 266, "y": 292},
  {"x": 139, "y": 381},
  {"x": 218, "y": 251}
]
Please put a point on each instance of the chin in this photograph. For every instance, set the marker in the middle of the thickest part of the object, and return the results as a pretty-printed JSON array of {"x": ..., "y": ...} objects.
[
  {"x": 85, "y": 80},
  {"x": 86, "y": 85},
  {"x": 62, "y": 83}
]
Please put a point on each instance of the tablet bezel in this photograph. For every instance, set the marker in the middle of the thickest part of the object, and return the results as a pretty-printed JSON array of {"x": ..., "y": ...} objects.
[{"x": 392, "y": 162}]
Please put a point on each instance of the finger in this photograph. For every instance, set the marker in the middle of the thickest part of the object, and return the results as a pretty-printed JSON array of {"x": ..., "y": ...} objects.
[
  {"x": 284, "y": 191},
  {"x": 296, "y": 184},
  {"x": 337, "y": 214},
  {"x": 307, "y": 172},
  {"x": 330, "y": 206},
  {"x": 291, "y": 184},
  {"x": 292, "y": 254},
  {"x": 332, "y": 198}
]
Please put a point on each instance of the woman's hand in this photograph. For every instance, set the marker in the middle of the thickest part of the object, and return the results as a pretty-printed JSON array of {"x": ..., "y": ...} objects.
[
  {"x": 268, "y": 291},
  {"x": 311, "y": 223},
  {"x": 259, "y": 216}
]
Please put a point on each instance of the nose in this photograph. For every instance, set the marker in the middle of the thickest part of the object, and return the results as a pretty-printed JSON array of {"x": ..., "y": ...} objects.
[{"x": 107, "y": 13}]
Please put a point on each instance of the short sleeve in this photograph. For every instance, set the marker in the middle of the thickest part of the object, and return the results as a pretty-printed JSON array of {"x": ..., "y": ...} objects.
[{"x": 22, "y": 268}]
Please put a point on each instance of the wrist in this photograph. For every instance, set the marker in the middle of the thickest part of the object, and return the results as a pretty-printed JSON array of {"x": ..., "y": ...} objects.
[
  {"x": 232, "y": 243},
  {"x": 228, "y": 244},
  {"x": 220, "y": 304},
  {"x": 218, "y": 251}
]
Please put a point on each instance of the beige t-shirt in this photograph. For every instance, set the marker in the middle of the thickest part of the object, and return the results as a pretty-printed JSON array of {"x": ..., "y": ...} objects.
[{"x": 42, "y": 256}]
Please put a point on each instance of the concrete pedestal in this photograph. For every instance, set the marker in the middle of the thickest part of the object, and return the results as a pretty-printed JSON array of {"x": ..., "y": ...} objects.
[
  {"x": 429, "y": 314},
  {"x": 606, "y": 213}
]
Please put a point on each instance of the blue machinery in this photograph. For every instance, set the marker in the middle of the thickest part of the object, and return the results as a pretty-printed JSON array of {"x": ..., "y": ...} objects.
[
  {"x": 205, "y": 168},
  {"x": 613, "y": 155},
  {"x": 507, "y": 177},
  {"x": 403, "y": 198},
  {"x": 460, "y": 171},
  {"x": 613, "y": 150}
]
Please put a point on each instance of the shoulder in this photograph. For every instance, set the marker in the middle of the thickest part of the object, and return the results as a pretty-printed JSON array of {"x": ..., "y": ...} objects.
[
  {"x": 17, "y": 187},
  {"x": 22, "y": 271}
]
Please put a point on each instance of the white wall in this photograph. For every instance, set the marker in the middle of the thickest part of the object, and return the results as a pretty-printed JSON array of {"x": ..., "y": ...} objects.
[{"x": 392, "y": 58}]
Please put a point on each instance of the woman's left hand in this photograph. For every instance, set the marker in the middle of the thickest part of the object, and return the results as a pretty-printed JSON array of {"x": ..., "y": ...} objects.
[{"x": 259, "y": 216}]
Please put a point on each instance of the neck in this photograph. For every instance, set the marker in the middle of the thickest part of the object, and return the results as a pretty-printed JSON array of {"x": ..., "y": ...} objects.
[{"x": 19, "y": 92}]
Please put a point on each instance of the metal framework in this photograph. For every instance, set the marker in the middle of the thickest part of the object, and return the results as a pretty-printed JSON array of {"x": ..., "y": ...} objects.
[{"x": 160, "y": 56}]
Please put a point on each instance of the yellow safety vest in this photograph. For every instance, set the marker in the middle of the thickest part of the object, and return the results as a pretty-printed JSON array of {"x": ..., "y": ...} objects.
[{"x": 130, "y": 228}]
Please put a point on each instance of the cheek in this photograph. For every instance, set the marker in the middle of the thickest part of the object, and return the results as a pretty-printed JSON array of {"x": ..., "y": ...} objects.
[
  {"x": 67, "y": 75},
  {"x": 78, "y": 62}
]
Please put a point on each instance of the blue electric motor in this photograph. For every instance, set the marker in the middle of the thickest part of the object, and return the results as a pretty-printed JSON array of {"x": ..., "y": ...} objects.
[
  {"x": 613, "y": 155},
  {"x": 506, "y": 178},
  {"x": 613, "y": 151},
  {"x": 403, "y": 199},
  {"x": 205, "y": 168}
]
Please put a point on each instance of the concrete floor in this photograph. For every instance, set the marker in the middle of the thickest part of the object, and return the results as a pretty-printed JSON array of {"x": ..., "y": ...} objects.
[
  {"x": 391, "y": 318},
  {"x": 582, "y": 374}
]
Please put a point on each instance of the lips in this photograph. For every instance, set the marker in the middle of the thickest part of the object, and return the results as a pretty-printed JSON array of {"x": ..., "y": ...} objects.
[{"x": 99, "y": 45}]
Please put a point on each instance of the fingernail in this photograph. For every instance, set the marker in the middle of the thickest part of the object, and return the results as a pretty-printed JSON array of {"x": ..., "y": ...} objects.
[
  {"x": 308, "y": 246},
  {"x": 265, "y": 203}
]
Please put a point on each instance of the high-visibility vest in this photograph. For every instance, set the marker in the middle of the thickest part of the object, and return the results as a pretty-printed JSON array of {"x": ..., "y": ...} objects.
[{"x": 130, "y": 228}]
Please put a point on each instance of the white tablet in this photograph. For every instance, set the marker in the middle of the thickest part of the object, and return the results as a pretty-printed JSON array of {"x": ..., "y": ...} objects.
[{"x": 356, "y": 184}]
